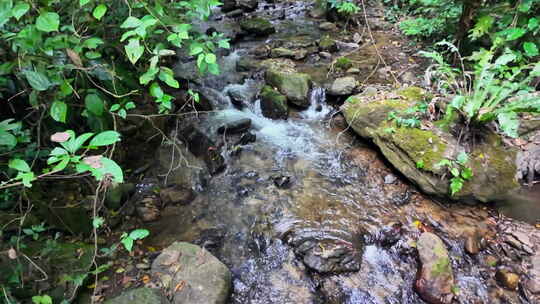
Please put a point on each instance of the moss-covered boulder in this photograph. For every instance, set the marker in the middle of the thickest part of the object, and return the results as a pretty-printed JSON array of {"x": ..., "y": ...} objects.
[
  {"x": 295, "y": 86},
  {"x": 327, "y": 44},
  {"x": 257, "y": 26},
  {"x": 273, "y": 104},
  {"x": 417, "y": 152},
  {"x": 142, "y": 295}
]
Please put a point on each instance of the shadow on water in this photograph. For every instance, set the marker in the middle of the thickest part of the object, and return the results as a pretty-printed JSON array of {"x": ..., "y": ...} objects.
[{"x": 523, "y": 205}]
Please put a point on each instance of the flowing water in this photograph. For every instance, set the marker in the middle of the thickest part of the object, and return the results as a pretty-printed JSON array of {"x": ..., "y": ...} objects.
[{"x": 336, "y": 195}]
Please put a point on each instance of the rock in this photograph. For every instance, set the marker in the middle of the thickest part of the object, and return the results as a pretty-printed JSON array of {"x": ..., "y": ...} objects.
[
  {"x": 533, "y": 283},
  {"x": 228, "y": 5},
  {"x": 328, "y": 26},
  {"x": 176, "y": 194},
  {"x": 142, "y": 266},
  {"x": 245, "y": 64},
  {"x": 329, "y": 257},
  {"x": 237, "y": 126},
  {"x": 327, "y": 44},
  {"x": 148, "y": 208},
  {"x": 257, "y": 26},
  {"x": 389, "y": 235},
  {"x": 325, "y": 55},
  {"x": 235, "y": 13},
  {"x": 142, "y": 295},
  {"x": 117, "y": 194},
  {"x": 248, "y": 5},
  {"x": 204, "y": 278},
  {"x": 273, "y": 104},
  {"x": 202, "y": 146},
  {"x": 390, "y": 179},
  {"x": 295, "y": 86},
  {"x": 247, "y": 138},
  {"x": 435, "y": 278},
  {"x": 282, "y": 52},
  {"x": 318, "y": 11},
  {"x": 343, "y": 86},
  {"x": 346, "y": 46},
  {"x": 472, "y": 244},
  {"x": 282, "y": 181},
  {"x": 507, "y": 279},
  {"x": 73, "y": 218},
  {"x": 353, "y": 71},
  {"x": 492, "y": 163}
]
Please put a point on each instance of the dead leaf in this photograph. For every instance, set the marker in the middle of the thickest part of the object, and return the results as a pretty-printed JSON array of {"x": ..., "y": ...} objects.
[
  {"x": 179, "y": 286},
  {"x": 146, "y": 279},
  {"x": 93, "y": 161},
  {"x": 74, "y": 57},
  {"x": 12, "y": 254},
  {"x": 60, "y": 137}
]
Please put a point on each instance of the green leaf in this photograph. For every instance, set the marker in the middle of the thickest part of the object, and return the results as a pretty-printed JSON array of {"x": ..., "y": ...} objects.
[
  {"x": 59, "y": 111},
  {"x": 467, "y": 173},
  {"x": 93, "y": 43},
  {"x": 533, "y": 24},
  {"x": 210, "y": 58},
  {"x": 94, "y": 104},
  {"x": 37, "y": 80},
  {"x": 134, "y": 50},
  {"x": 114, "y": 107},
  {"x": 45, "y": 299},
  {"x": 99, "y": 11},
  {"x": 139, "y": 234},
  {"x": 20, "y": 9},
  {"x": 48, "y": 22},
  {"x": 195, "y": 49},
  {"x": 5, "y": 11},
  {"x": 462, "y": 158},
  {"x": 514, "y": 33},
  {"x": 213, "y": 68},
  {"x": 455, "y": 172},
  {"x": 112, "y": 168},
  {"x": 98, "y": 222},
  {"x": 19, "y": 165},
  {"x": 148, "y": 76},
  {"x": 167, "y": 75},
  {"x": 224, "y": 44},
  {"x": 531, "y": 49},
  {"x": 7, "y": 140},
  {"x": 128, "y": 243},
  {"x": 62, "y": 164},
  {"x": 456, "y": 184},
  {"x": 27, "y": 178},
  {"x": 105, "y": 138},
  {"x": 156, "y": 91},
  {"x": 509, "y": 123},
  {"x": 131, "y": 22},
  {"x": 122, "y": 113},
  {"x": 84, "y": 2},
  {"x": 92, "y": 55}
]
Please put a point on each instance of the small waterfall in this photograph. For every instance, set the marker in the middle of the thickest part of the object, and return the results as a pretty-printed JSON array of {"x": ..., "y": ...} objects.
[{"x": 318, "y": 108}]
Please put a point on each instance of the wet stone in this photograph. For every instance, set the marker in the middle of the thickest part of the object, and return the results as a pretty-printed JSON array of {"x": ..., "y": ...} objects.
[
  {"x": 176, "y": 194},
  {"x": 390, "y": 179},
  {"x": 328, "y": 26},
  {"x": 247, "y": 138},
  {"x": 237, "y": 126},
  {"x": 435, "y": 278},
  {"x": 141, "y": 295},
  {"x": 507, "y": 278},
  {"x": 472, "y": 244},
  {"x": 282, "y": 181}
]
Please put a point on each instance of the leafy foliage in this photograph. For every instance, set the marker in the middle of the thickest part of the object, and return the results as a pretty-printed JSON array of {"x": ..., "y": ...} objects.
[{"x": 459, "y": 170}]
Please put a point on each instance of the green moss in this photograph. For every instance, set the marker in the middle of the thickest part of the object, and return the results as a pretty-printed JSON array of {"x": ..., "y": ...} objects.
[
  {"x": 327, "y": 44},
  {"x": 421, "y": 146},
  {"x": 413, "y": 93},
  {"x": 343, "y": 63},
  {"x": 258, "y": 26}
]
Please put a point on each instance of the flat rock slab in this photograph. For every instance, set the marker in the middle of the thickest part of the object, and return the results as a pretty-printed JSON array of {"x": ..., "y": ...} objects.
[
  {"x": 139, "y": 296},
  {"x": 192, "y": 274}
]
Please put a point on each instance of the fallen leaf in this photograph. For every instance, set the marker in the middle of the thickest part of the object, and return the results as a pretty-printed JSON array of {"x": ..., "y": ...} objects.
[
  {"x": 179, "y": 286},
  {"x": 12, "y": 254},
  {"x": 146, "y": 279},
  {"x": 60, "y": 137},
  {"x": 93, "y": 161},
  {"x": 120, "y": 270},
  {"x": 74, "y": 57}
]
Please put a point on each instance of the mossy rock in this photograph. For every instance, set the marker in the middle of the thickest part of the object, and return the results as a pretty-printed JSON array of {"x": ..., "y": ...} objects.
[
  {"x": 258, "y": 26},
  {"x": 494, "y": 166},
  {"x": 327, "y": 44},
  {"x": 273, "y": 104},
  {"x": 295, "y": 86},
  {"x": 142, "y": 295},
  {"x": 343, "y": 63}
]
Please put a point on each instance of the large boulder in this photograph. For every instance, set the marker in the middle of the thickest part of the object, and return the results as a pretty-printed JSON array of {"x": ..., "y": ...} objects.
[
  {"x": 142, "y": 295},
  {"x": 295, "y": 86},
  {"x": 416, "y": 152},
  {"x": 258, "y": 26},
  {"x": 202, "y": 146},
  {"x": 273, "y": 104},
  {"x": 202, "y": 277},
  {"x": 343, "y": 86},
  {"x": 435, "y": 278}
]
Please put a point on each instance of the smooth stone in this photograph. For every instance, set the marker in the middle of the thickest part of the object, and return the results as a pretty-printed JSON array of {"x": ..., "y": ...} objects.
[
  {"x": 237, "y": 126},
  {"x": 507, "y": 279}
]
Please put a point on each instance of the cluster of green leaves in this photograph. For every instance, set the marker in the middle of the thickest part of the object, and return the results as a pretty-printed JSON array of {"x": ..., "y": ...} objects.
[
  {"x": 459, "y": 170},
  {"x": 346, "y": 8},
  {"x": 427, "y": 18},
  {"x": 410, "y": 117},
  {"x": 500, "y": 88}
]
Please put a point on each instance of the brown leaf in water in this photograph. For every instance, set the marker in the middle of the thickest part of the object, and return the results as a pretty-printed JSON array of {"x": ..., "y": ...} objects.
[
  {"x": 74, "y": 57},
  {"x": 93, "y": 161},
  {"x": 60, "y": 137},
  {"x": 146, "y": 279},
  {"x": 179, "y": 286}
]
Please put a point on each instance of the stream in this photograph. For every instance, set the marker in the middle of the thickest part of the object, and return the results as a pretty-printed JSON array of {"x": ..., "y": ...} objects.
[{"x": 311, "y": 213}]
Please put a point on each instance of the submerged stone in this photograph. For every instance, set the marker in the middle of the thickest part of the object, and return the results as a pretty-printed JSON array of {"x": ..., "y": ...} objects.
[
  {"x": 258, "y": 26},
  {"x": 435, "y": 278}
]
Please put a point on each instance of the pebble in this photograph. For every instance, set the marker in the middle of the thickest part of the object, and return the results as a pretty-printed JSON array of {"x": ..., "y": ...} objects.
[
  {"x": 390, "y": 179},
  {"x": 325, "y": 55},
  {"x": 142, "y": 266},
  {"x": 507, "y": 279}
]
